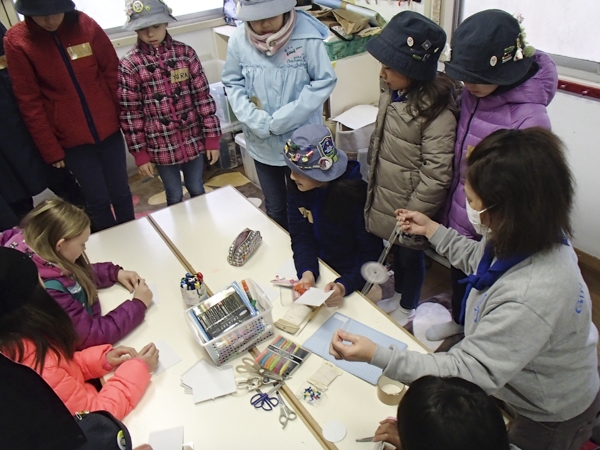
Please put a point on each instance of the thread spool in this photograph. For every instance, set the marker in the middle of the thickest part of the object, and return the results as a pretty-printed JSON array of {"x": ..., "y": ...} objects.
[{"x": 390, "y": 391}]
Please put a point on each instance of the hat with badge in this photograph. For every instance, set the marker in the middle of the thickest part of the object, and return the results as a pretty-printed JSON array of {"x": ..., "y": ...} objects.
[
  {"x": 489, "y": 47},
  {"x": 43, "y": 7},
  {"x": 312, "y": 152},
  {"x": 410, "y": 44},
  {"x": 249, "y": 10},
  {"x": 145, "y": 13}
]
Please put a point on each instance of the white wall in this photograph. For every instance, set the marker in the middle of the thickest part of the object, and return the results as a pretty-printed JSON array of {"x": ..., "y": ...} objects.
[{"x": 576, "y": 120}]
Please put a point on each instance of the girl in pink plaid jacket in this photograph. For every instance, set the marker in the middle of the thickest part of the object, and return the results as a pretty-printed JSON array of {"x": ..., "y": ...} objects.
[{"x": 167, "y": 113}]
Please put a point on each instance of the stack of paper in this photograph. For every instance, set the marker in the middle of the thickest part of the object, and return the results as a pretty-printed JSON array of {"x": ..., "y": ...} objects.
[{"x": 207, "y": 382}]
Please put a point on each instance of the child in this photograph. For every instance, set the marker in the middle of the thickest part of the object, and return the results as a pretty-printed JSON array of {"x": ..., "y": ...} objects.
[
  {"x": 451, "y": 411},
  {"x": 325, "y": 212},
  {"x": 36, "y": 332},
  {"x": 529, "y": 337},
  {"x": 167, "y": 113},
  {"x": 54, "y": 236},
  {"x": 64, "y": 73},
  {"x": 277, "y": 76},
  {"x": 506, "y": 86},
  {"x": 411, "y": 149}
]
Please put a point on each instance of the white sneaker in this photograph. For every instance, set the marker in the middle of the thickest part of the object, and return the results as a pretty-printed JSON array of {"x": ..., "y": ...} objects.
[
  {"x": 402, "y": 315},
  {"x": 441, "y": 331},
  {"x": 390, "y": 304}
]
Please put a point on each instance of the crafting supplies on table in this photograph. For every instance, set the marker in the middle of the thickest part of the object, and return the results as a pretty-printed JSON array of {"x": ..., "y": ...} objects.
[
  {"x": 281, "y": 357},
  {"x": 193, "y": 289},
  {"x": 227, "y": 324}
]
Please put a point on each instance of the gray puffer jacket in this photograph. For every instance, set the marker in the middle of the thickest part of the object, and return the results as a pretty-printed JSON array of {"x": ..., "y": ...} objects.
[{"x": 410, "y": 163}]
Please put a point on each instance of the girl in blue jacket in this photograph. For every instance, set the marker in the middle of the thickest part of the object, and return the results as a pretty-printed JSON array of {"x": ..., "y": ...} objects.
[
  {"x": 277, "y": 77},
  {"x": 325, "y": 212}
]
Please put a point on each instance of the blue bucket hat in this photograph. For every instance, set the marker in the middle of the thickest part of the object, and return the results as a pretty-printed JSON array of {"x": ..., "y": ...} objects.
[
  {"x": 145, "y": 13},
  {"x": 249, "y": 10},
  {"x": 311, "y": 151},
  {"x": 410, "y": 44}
]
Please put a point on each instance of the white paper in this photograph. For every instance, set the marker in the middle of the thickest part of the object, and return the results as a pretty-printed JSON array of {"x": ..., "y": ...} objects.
[
  {"x": 209, "y": 382},
  {"x": 154, "y": 289},
  {"x": 358, "y": 117},
  {"x": 171, "y": 439},
  {"x": 167, "y": 357},
  {"x": 314, "y": 297},
  {"x": 334, "y": 431}
]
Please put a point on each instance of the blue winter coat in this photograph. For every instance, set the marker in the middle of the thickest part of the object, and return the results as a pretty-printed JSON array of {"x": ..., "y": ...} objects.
[
  {"x": 345, "y": 248},
  {"x": 274, "y": 95}
]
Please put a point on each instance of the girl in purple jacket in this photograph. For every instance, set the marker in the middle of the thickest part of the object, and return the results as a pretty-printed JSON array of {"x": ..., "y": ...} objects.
[
  {"x": 54, "y": 235},
  {"x": 508, "y": 84}
]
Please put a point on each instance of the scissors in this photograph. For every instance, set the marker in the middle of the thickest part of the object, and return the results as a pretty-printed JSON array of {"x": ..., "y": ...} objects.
[
  {"x": 253, "y": 370},
  {"x": 285, "y": 413},
  {"x": 263, "y": 401}
]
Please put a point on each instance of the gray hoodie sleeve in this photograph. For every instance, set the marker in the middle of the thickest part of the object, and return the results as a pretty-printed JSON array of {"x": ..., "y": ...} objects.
[{"x": 462, "y": 252}]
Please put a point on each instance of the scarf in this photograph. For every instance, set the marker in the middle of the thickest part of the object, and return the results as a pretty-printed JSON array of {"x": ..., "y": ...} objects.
[
  {"x": 270, "y": 44},
  {"x": 487, "y": 274}
]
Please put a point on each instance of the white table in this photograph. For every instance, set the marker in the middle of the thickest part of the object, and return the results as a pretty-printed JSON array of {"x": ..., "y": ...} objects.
[
  {"x": 204, "y": 227},
  {"x": 225, "y": 423}
]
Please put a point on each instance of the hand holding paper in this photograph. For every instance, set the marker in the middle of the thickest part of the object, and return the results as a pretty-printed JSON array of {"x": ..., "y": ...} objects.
[{"x": 314, "y": 297}]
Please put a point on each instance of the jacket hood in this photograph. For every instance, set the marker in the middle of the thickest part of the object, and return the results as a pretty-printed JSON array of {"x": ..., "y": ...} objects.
[
  {"x": 539, "y": 89},
  {"x": 307, "y": 27},
  {"x": 47, "y": 270}
]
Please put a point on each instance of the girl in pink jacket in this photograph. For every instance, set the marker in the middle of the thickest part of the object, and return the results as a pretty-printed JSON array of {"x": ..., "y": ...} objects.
[{"x": 35, "y": 331}]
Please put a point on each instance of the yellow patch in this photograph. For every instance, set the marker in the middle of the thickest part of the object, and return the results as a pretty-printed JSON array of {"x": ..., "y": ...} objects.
[
  {"x": 3, "y": 64},
  {"x": 80, "y": 51},
  {"x": 179, "y": 75},
  {"x": 306, "y": 214},
  {"x": 470, "y": 149}
]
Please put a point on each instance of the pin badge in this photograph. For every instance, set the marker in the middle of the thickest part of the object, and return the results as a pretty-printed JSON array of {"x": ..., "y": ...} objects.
[
  {"x": 305, "y": 159},
  {"x": 426, "y": 45},
  {"x": 147, "y": 8},
  {"x": 410, "y": 41},
  {"x": 493, "y": 61},
  {"x": 138, "y": 6},
  {"x": 325, "y": 163}
]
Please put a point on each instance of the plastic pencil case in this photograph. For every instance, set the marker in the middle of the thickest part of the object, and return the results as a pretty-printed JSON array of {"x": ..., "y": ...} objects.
[
  {"x": 236, "y": 341},
  {"x": 244, "y": 245}
]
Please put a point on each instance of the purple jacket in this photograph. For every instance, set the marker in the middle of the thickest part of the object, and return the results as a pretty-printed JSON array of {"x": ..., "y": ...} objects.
[
  {"x": 521, "y": 107},
  {"x": 94, "y": 329}
]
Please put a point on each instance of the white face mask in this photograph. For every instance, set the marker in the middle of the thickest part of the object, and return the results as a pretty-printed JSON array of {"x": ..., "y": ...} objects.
[{"x": 475, "y": 219}]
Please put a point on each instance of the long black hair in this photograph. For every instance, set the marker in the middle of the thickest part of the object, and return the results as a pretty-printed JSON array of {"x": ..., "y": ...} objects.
[{"x": 429, "y": 98}]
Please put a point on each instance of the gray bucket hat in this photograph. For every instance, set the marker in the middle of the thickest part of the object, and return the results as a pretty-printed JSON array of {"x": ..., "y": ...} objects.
[
  {"x": 145, "y": 13},
  {"x": 312, "y": 152},
  {"x": 249, "y": 10}
]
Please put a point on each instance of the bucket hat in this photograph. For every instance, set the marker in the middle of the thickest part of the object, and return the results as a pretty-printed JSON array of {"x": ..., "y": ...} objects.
[
  {"x": 410, "y": 44},
  {"x": 145, "y": 13},
  {"x": 43, "y": 7},
  {"x": 312, "y": 152},
  {"x": 489, "y": 48},
  {"x": 249, "y": 10}
]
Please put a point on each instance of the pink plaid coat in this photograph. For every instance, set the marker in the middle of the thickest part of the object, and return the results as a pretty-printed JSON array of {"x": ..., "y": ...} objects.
[{"x": 167, "y": 112}]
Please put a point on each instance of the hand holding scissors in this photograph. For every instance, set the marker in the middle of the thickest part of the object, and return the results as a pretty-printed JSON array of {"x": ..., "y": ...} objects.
[
  {"x": 285, "y": 413},
  {"x": 263, "y": 401}
]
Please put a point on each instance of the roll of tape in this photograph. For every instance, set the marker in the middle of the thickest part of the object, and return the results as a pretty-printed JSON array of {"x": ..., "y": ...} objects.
[{"x": 390, "y": 391}]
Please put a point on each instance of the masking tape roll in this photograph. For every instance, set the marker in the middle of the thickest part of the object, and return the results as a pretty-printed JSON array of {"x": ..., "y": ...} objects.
[{"x": 390, "y": 391}]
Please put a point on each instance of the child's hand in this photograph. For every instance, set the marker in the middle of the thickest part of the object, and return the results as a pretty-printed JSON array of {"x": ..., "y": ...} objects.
[
  {"x": 149, "y": 354},
  {"x": 146, "y": 170},
  {"x": 212, "y": 156},
  {"x": 307, "y": 280},
  {"x": 413, "y": 222},
  {"x": 59, "y": 164},
  {"x": 129, "y": 279},
  {"x": 119, "y": 355},
  {"x": 143, "y": 293},
  {"x": 360, "y": 348},
  {"x": 337, "y": 298},
  {"x": 388, "y": 432}
]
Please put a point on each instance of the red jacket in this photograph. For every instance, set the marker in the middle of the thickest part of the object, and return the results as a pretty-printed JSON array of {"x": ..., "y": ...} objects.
[
  {"x": 167, "y": 112},
  {"x": 47, "y": 90}
]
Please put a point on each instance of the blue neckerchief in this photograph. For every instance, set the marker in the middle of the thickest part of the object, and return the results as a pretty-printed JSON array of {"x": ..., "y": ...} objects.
[
  {"x": 486, "y": 276},
  {"x": 397, "y": 96}
]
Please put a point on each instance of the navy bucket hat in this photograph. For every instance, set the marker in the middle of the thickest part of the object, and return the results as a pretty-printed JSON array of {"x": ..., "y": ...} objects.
[
  {"x": 489, "y": 48},
  {"x": 312, "y": 152},
  {"x": 410, "y": 44},
  {"x": 43, "y": 7}
]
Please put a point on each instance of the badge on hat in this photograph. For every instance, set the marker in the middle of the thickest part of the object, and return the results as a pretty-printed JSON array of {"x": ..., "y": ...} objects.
[{"x": 138, "y": 6}]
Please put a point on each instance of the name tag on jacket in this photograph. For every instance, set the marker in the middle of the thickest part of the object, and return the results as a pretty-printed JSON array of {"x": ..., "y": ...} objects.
[
  {"x": 80, "y": 51},
  {"x": 179, "y": 75}
]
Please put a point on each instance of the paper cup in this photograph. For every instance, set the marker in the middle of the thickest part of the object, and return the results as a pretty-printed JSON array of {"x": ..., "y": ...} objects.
[{"x": 193, "y": 297}]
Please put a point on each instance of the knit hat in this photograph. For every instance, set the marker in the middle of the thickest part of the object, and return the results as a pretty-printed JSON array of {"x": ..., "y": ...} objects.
[
  {"x": 145, "y": 13},
  {"x": 410, "y": 44},
  {"x": 43, "y": 7},
  {"x": 311, "y": 151},
  {"x": 249, "y": 10},
  {"x": 18, "y": 279},
  {"x": 489, "y": 48}
]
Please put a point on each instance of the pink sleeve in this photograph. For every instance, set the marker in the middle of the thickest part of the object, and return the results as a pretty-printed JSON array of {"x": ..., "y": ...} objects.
[{"x": 105, "y": 274}]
